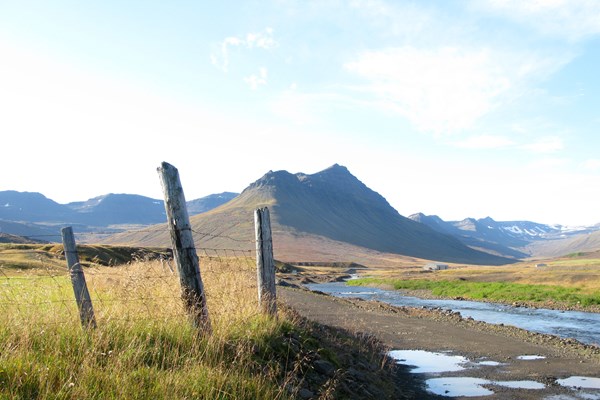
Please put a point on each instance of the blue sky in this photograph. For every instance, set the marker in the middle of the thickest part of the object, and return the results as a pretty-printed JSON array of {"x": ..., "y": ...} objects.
[{"x": 455, "y": 108}]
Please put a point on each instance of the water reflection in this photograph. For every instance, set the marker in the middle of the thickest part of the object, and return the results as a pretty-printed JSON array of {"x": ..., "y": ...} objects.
[{"x": 582, "y": 326}]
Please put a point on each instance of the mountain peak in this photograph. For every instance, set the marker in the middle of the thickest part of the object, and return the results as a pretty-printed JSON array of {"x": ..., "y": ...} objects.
[{"x": 336, "y": 167}]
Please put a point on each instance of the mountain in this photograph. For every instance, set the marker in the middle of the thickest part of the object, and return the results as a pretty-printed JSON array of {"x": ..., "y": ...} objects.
[
  {"x": 516, "y": 239},
  {"x": 332, "y": 205},
  {"x": 559, "y": 247},
  {"x": 32, "y": 207},
  {"x": 33, "y": 214},
  {"x": 209, "y": 202},
  {"x": 114, "y": 209}
]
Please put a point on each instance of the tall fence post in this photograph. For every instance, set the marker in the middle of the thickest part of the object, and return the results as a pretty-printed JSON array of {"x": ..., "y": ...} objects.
[
  {"x": 82, "y": 295},
  {"x": 265, "y": 264},
  {"x": 184, "y": 250}
]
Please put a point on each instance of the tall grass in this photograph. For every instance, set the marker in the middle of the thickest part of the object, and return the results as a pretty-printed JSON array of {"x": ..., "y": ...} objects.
[
  {"x": 144, "y": 346},
  {"x": 491, "y": 291}
]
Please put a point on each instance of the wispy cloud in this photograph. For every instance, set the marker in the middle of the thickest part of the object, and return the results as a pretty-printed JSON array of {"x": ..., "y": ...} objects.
[
  {"x": 256, "y": 80},
  {"x": 571, "y": 19},
  {"x": 255, "y": 40},
  {"x": 485, "y": 142},
  {"x": 550, "y": 144},
  {"x": 446, "y": 90}
]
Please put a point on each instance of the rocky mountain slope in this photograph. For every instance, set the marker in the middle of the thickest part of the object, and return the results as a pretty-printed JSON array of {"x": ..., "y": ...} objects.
[{"x": 331, "y": 204}]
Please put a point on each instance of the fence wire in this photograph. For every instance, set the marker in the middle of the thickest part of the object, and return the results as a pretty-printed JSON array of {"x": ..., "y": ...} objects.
[{"x": 39, "y": 292}]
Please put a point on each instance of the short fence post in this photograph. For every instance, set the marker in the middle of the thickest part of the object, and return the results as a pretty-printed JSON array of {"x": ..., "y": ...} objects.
[
  {"x": 184, "y": 250},
  {"x": 265, "y": 264},
  {"x": 82, "y": 295}
]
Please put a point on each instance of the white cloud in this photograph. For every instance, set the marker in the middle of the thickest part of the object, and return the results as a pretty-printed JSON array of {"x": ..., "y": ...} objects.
[
  {"x": 446, "y": 90},
  {"x": 256, "y": 80},
  {"x": 548, "y": 164},
  {"x": 485, "y": 142},
  {"x": 572, "y": 19},
  {"x": 550, "y": 144},
  {"x": 260, "y": 40},
  {"x": 592, "y": 164}
]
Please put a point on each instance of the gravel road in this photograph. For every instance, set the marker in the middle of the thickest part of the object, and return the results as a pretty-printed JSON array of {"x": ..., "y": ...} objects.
[{"x": 402, "y": 328}]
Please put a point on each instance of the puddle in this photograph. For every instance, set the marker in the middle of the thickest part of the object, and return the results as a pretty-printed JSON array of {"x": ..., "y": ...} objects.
[
  {"x": 489, "y": 363},
  {"x": 530, "y": 357},
  {"x": 455, "y": 387},
  {"x": 533, "y": 385},
  {"x": 471, "y": 387},
  {"x": 427, "y": 362},
  {"x": 577, "y": 382}
]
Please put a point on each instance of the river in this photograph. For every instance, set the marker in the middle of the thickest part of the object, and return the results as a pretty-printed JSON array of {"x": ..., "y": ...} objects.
[{"x": 582, "y": 326}]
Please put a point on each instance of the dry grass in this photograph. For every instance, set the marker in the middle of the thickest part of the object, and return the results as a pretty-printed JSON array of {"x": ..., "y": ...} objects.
[{"x": 144, "y": 346}]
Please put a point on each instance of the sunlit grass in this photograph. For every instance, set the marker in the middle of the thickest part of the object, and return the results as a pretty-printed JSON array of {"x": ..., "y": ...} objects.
[
  {"x": 492, "y": 291},
  {"x": 144, "y": 346}
]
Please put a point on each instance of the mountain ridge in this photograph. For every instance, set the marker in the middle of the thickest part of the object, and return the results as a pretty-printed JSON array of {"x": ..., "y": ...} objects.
[
  {"x": 331, "y": 204},
  {"x": 33, "y": 214},
  {"x": 517, "y": 239}
]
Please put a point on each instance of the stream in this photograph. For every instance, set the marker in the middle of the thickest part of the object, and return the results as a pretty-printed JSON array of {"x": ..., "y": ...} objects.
[{"x": 581, "y": 326}]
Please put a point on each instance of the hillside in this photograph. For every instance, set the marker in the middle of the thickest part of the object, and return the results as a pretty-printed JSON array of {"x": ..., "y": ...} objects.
[
  {"x": 589, "y": 242},
  {"x": 207, "y": 203},
  {"x": 331, "y": 204}
]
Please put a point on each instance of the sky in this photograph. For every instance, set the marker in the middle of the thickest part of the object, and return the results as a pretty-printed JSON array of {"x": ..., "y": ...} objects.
[{"x": 458, "y": 108}]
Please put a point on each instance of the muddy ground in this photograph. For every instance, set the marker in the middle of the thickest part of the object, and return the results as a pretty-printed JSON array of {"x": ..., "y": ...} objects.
[{"x": 404, "y": 328}]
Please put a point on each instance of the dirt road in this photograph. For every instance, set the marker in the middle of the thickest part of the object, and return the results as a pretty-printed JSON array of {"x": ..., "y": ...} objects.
[{"x": 415, "y": 329}]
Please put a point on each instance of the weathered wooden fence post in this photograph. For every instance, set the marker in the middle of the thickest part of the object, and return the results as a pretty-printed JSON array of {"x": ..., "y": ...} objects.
[
  {"x": 265, "y": 264},
  {"x": 82, "y": 295},
  {"x": 184, "y": 250}
]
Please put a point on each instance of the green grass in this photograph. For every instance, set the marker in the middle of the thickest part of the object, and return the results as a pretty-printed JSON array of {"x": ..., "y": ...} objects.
[
  {"x": 162, "y": 360},
  {"x": 490, "y": 291},
  {"x": 144, "y": 346}
]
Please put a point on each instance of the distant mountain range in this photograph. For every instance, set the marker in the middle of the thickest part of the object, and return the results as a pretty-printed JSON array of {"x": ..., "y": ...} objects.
[
  {"x": 31, "y": 214},
  {"x": 516, "y": 239},
  {"x": 327, "y": 216}
]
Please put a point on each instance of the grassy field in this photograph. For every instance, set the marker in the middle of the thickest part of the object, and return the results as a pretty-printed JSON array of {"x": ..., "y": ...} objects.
[
  {"x": 572, "y": 281},
  {"x": 145, "y": 346}
]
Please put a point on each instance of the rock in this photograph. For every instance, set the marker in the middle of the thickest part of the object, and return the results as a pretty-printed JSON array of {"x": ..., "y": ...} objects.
[
  {"x": 324, "y": 367},
  {"x": 305, "y": 394},
  {"x": 283, "y": 283}
]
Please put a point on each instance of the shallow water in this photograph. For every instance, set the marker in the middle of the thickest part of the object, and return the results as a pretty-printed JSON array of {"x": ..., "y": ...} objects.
[
  {"x": 458, "y": 386},
  {"x": 435, "y": 364},
  {"x": 530, "y": 357},
  {"x": 582, "y": 326},
  {"x": 429, "y": 362},
  {"x": 583, "y": 382}
]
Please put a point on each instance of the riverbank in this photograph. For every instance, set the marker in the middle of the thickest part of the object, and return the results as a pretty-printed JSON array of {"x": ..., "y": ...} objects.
[
  {"x": 494, "y": 295},
  {"x": 307, "y": 278},
  {"x": 437, "y": 330}
]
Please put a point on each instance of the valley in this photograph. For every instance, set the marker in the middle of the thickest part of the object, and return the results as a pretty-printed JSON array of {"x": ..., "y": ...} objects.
[{"x": 328, "y": 226}]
